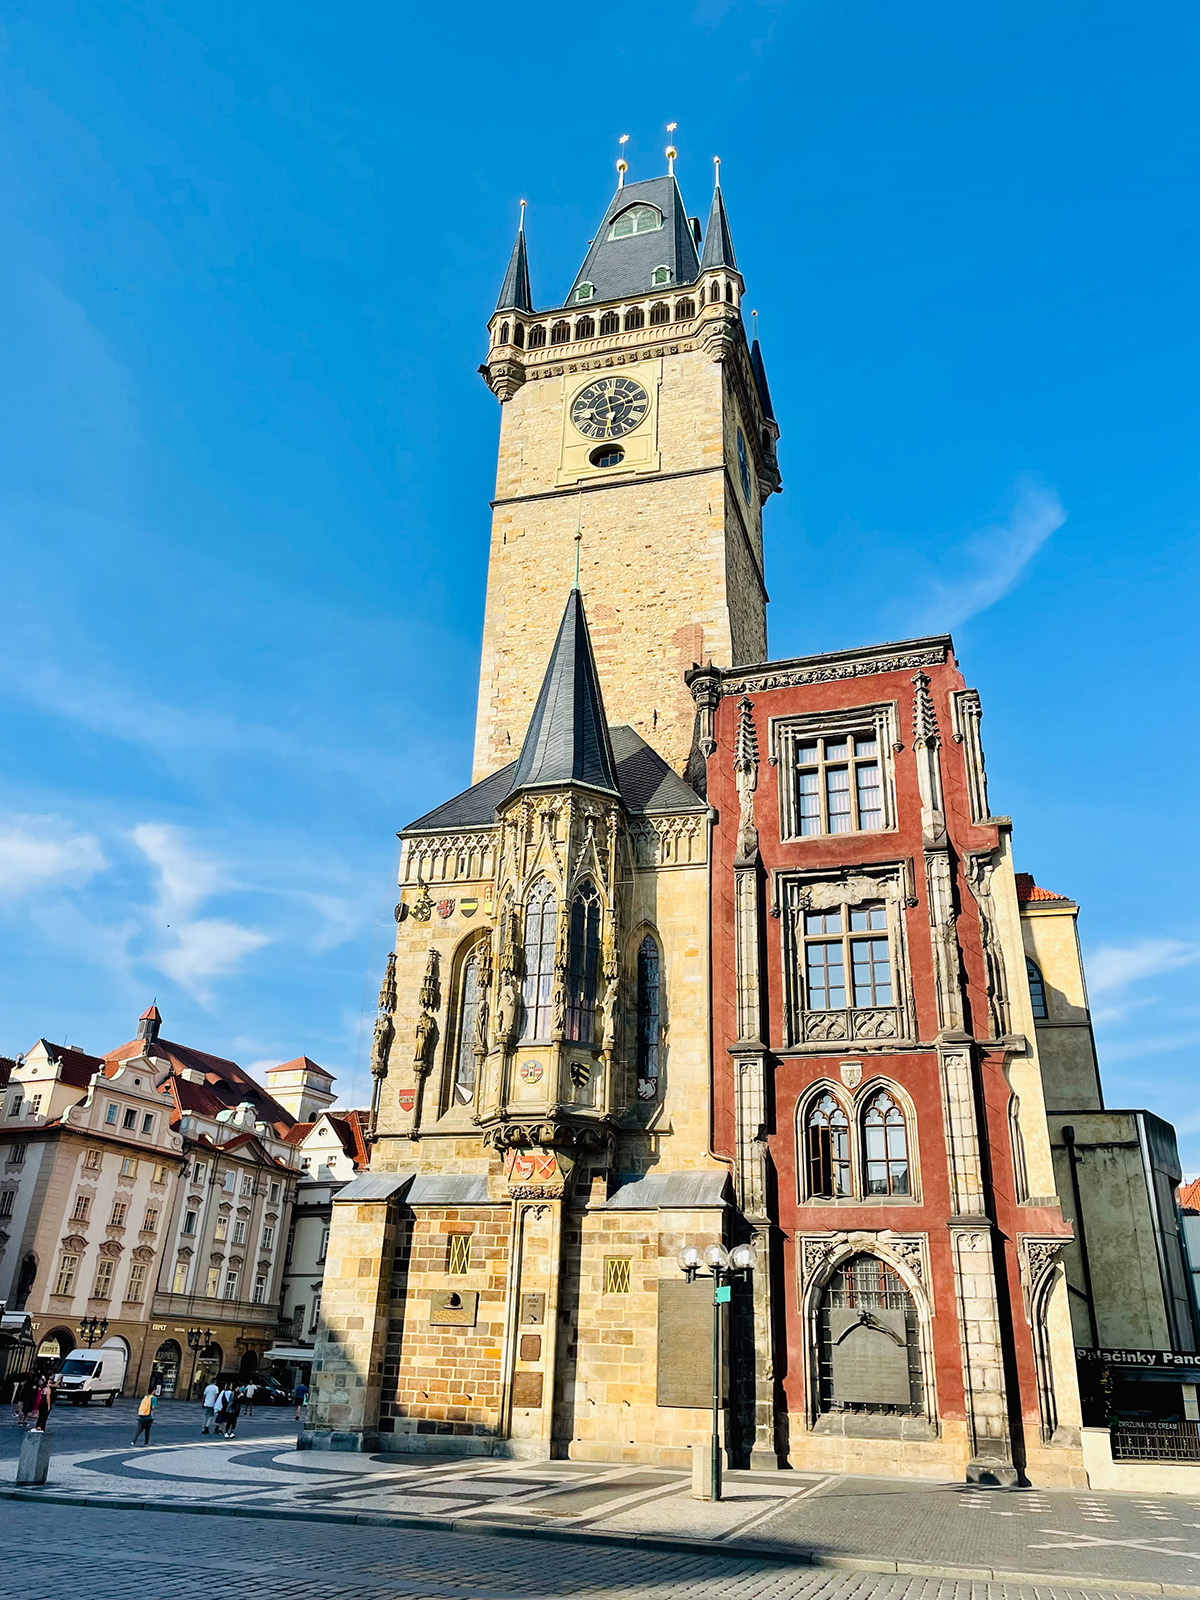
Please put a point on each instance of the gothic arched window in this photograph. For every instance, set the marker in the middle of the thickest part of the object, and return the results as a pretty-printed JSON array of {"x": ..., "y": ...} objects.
[
  {"x": 885, "y": 1147},
  {"x": 585, "y": 328},
  {"x": 537, "y": 336},
  {"x": 560, "y": 333},
  {"x": 637, "y": 219},
  {"x": 684, "y": 310},
  {"x": 584, "y": 968},
  {"x": 827, "y": 1149},
  {"x": 1037, "y": 989},
  {"x": 470, "y": 997},
  {"x": 729, "y": 293},
  {"x": 649, "y": 1017},
  {"x": 869, "y": 1341},
  {"x": 541, "y": 927},
  {"x": 503, "y": 333},
  {"x": 635, "y": 317},
  {"x": 660, "y": 311},
  {"x": 714, "y": 294},
  {"x": 519, "y": 335},
  {"x": 610, "y": 322}
]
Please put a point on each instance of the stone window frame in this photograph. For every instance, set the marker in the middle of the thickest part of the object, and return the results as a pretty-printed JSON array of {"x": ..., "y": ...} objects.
[
  {"x": 855, "y": 1103},
  {"x": 458, "y": 1254},
  {"x": 105, "y": 1270},
  {"x": 1038, "y": 997},
  {"x": 879, "y": 719},
  {"x": 852, "y": 1027},
  {"x": 648, "y": 1088},
  {"x": 817, "y": 1258}
]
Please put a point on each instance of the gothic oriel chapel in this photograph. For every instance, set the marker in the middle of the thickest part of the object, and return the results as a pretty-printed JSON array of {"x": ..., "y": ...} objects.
[{"x": 634, "y": 959}]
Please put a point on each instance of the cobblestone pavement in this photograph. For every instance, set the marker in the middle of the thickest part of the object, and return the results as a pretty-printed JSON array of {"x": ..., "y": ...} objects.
[
  {"x": 47, "y": 1552},
  {"x": 1065, "y": 1536}
]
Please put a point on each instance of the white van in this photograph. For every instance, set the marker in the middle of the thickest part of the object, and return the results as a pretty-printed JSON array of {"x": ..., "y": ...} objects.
[{"x": 91, "y": 1374}]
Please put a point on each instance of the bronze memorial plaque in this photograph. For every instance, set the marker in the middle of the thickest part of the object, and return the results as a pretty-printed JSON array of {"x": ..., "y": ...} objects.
[
  {"x": 527, "y": 1389},
  {"x": 533, "y": 1308},
  {"x": 685, "y": 1314},
  {"x": 870, "y": 1358},
  {"x": 531, "y": 1347},
  {"x": 453, "y": 1308}
]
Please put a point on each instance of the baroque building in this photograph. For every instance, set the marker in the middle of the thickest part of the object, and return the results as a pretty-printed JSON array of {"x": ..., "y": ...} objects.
[{"x": 714, "y": 949}]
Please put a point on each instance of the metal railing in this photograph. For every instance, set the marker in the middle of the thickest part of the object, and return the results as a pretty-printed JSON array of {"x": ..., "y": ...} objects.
[{"x": 1155, "y": 1441}]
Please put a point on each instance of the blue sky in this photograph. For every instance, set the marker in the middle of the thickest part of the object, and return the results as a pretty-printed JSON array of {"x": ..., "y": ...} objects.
[{"x": 245, "y": 456}]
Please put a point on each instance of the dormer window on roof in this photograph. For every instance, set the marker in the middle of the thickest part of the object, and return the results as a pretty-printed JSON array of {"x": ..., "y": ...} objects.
[
  {"x": 585, "y": 291},
  {"x": 660, "y": 275},
  {"x": 637, "y": 219}
]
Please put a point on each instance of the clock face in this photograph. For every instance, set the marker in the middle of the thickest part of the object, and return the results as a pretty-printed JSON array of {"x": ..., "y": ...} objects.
[
  {"x": 610, "y": 408},
  {"x": 743, "y": 464}
]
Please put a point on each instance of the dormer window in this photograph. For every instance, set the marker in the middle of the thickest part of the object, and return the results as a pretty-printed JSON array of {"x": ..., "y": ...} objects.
[
  {"x": 660, "y": 275},
  {"x": 585, "y": 291},
  {"x": 638, "y": 219}
]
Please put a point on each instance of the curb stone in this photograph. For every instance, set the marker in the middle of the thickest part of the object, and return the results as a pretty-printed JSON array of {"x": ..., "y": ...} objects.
[{"x": 738, "y": 1549}]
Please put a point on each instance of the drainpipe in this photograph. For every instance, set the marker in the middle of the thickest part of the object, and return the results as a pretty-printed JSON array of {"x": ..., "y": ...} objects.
[
  {"x": 712, "y": 1054},
  {"x": 1068, "y": 1136}
]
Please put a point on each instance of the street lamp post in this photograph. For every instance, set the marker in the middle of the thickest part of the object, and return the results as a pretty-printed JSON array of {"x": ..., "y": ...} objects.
[
  {"x": 91, "y": 1329},
  {"x": 723, "y": 1267},
  {"x": 199, "y": 1341}
]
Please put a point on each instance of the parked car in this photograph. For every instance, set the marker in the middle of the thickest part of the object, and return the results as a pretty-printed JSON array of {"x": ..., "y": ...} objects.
[
  {"x": 269, "y": 1391},
  {"x": 88, "y": 1374}
]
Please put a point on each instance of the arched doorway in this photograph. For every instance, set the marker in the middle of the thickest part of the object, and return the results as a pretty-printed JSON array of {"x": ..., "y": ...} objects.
[
  {"x": 165, "y": 1371},
  {"x": 56, "y": 1345},
  {"x": 248, "y": 1364},
  {"x": 869, "y": 1342}
]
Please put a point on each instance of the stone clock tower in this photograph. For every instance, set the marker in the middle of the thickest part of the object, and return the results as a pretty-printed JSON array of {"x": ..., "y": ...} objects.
[{"x": 638, "y": 414}]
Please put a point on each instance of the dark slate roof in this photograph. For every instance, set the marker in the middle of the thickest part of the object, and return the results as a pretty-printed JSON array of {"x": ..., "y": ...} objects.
[
  {"x": 760, "y": 380},
  {"x": 645, "y": 781},
  {"x": 567, "y": 738},
  {"x": 620, "y": 267},
  {"x": 718, "y": 242},
  {"x": 514, "y": 291},
  {"x": 670, "y": 1191}
]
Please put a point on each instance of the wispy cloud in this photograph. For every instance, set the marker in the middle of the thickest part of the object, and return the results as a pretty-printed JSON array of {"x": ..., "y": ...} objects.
[
  {"x": 990, "y": 563},
  {"x": 36, "y": 852},
  {"x": 199, "y": 949},
  {"x": 1114, "y": 968}
]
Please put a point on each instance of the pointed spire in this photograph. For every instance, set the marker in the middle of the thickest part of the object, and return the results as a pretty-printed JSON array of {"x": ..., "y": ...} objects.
[
  {"x": 149, "y": 1023},
  {"x": 760, "y": 380},
  {"x": 567, "y": 739},
  {"x": 514, "y": 291},
  {"x": 718, "y": 243}
]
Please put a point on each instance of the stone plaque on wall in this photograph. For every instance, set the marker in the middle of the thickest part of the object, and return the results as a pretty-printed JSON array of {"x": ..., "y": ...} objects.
[
  {"x": 533, "y": 1308},
  {"x": 531, "y": 1347},
  {"x": 869, "y": 1358},
  {"x": 453, "y": 1308},
  {"x": 527, "y": 1389},
  {"x": 685, "y": 1314}
]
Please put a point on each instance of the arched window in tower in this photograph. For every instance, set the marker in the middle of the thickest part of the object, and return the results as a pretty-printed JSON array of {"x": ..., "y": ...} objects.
[
  {"x": 519, "y": 336},
  {"x": 1037, "y": 990},
  {"x": 869, "y": 1342},
  {"x": 537, "y": 336},
  {"x": 583, "y": 972},
  {"x": 541, "y": 927},
  {"x": 637, "y": 219},
  {"x": 827, "y": 1149},
  {"x": 560, "y": 333},
  {"x": 885, "y": 1146},
  {"x": 585, "y": 328},
  {"x": 635, "y": 317},
  {"x": 714, "y": 294},
  {"x": 503, "y": 339},
  {"x": 685, "y": 310},
  {"x": 610, "y": 322},
  {"x": 729, "y": 293},
  {"x": 649, "y": 1017},
  {"x": 470, "y": 998},
  {"x": 660, "y": 312}
]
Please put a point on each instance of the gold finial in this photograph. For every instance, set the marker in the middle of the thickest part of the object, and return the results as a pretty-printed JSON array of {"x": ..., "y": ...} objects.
[
  {"x": 671, "y": 151},
  {"x": 716, "y": 172},
  {"x": 622, "y": 164}
]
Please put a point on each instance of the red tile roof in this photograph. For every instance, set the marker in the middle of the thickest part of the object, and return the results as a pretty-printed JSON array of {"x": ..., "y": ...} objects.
[
  {"x": 305, "y": 1063},
  {"x": 299, "y": 1131},
  {"x": 75, "y": 1066},
  {"x": 226, "y": 1082},
  {"x": 1028, "y": 890},
  {"x": 151, "y": 1014},
  {"x": 351, "y": 1129},
  {"x": 1189, "y": 1196},
  {"x": 6, "y": 1069}
]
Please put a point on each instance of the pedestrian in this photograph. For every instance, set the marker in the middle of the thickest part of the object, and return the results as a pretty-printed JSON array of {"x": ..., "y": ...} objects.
[
  {"x": 232, "y": 1412},
  {"x": 45, "y": 1399},
  {"x": 211, "y": 1391},
  {"x": 145, "y": 1413},
  {"x": 300, "y": 1397},
  {"x": 27, "y": 1398},
  {"x": 248, "y": 1394}
]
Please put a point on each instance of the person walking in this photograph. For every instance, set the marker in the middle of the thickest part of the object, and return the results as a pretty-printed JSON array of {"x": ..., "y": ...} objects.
[
  {"x": 145, "y": 1414},
  {"x": 248, "y": 1394},
  {"x": 300, "y": 1396},
  {"x": 211, "y": 1391},
  {"x": 232, "y": 1412},
  {"x": 27, "y": 1398},
  {"x": 41, "y": 1406},
  {"x": 224, "y": 1401}
]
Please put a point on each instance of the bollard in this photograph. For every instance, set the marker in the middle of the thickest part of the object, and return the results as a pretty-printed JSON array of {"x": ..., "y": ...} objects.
[
  {"x": 702, "y": 1473},
  {"x": 34, "y": 1463}
]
